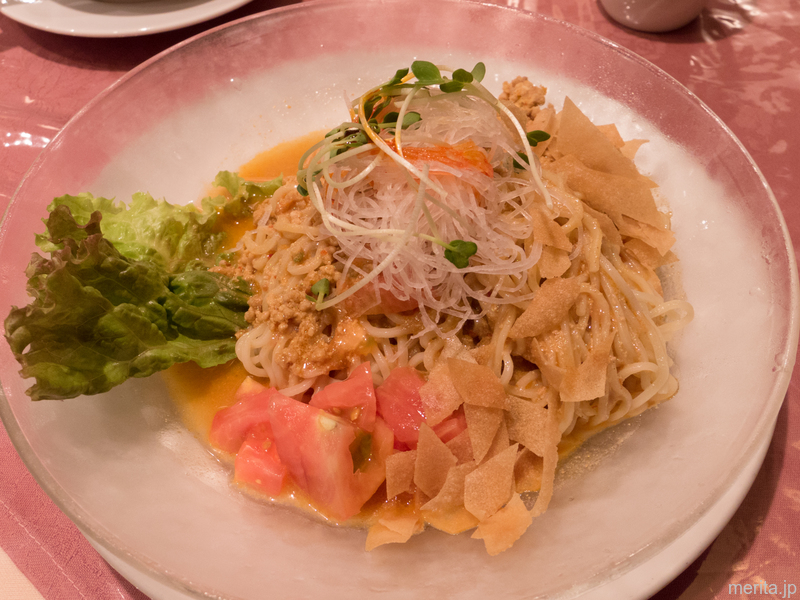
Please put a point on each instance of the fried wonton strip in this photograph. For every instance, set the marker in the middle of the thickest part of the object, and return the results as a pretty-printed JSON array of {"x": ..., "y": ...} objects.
[
  {"x": 395, "y": 525},
  {"x": 434, "y": 460},
  {"x": 631, "y": 147},
  {"x": 659, "y": 238},
  {"x": 607, "y": 226},
  {"x": 552, "y": 373},
  {"x": 506, "y": 526},
  {"x": 461, "y": 447},
  {"x": 400, "y": 472},
  {"x": 482, "y": 425},
  {"x": 588, "y": 381},
  {"x": 615, "y": 195},
  {"x": 453, "y": 522},
  {"x": 550, "y": 457},
  {"x": 528, "y": 472},
  {"x": 446, "y": 511},
  {"x": 547, "y": 232},
  {"x": 477, "y": 384},
  {"x": 451, "y": 496},
  {"x": 549, "y": 307},
  {"x": 612, "y": 133},
  {"x": 439, "y": 396},
  {"x": 577, "y": 135},
  {"x": 553, "y": 262},
  {"x": 490, "y": 486},
  {"x": 647, "y": 255},
  {"x": 500, "y": 442},
  {"x": 528, "y": 424}
]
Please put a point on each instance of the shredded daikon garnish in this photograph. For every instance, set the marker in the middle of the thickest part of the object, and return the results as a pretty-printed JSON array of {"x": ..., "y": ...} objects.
[{"x": 426, "y": 191}]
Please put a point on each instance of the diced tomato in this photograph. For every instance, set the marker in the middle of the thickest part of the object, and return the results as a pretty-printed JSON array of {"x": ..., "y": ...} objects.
[
  {"x": 231, "y": 425},
  {"x": 258, "y": 465},
  {"x": 364, "y": 302},
  {"x": 399, "y": 404},
  {"x": 353, "y": 398},
  {"x": 451, "y": 426},
  {"x": 317, "y": 447}
]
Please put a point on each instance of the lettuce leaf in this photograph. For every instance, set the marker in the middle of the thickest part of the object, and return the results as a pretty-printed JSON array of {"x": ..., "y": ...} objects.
[
  {"x": 169, "y": 235},
  {"x": 131, "y": 299}
]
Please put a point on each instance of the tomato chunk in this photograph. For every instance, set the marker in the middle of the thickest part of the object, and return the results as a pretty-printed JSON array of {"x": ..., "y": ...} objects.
[
  {"x": 317, "y": 449},
  {"x": 399, "y": 404},
  {"x": 258, "y": 465},
  {"x": 231, "y": 425},
  {"x": 353, "y": 398},
  {"x": 365, "y": 302}
]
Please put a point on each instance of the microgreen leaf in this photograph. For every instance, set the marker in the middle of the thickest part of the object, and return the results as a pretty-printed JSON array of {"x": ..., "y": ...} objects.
[
  {"x": 398, "y": 77},
  {"x": 524, "y": 157},
  {"x": 451, "y": 86},
  {"x": 462, "y": 76},
  {"x": 426, "y": 72},
  {"x": 536, "y": 136},
  {"x": 459, "y": 251},
  {"x": 479, "y": 71},
  {"x": 321, "y": 289},
  {"x": 410, "y": 118}
]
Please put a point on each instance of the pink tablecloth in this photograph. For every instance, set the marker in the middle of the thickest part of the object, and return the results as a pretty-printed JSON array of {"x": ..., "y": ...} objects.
[{"x": 742, "y": 57}]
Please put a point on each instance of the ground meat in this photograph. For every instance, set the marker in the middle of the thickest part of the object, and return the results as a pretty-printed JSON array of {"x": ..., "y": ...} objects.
[{"x": 523, "y": 94}]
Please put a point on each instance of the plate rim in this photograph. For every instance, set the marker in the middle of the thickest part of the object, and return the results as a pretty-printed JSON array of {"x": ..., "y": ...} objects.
[
  {"x": 115, "y": 26},
  {"x": 779, "y": 386}
]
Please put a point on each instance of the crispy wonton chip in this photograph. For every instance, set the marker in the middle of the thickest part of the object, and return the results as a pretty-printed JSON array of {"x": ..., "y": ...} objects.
[
  {"x": 553, "y": 262},
  {"x": 439, "y": 396},
  {"x": 500, "y": 442},
  {"x": 434, "y": 460},
  {"x": 477, "y": 384},
  {"x": 451, "y": 496},
  {"x": 607, "y": 226},
  {"x": 588, "y": 381},
  {"x": 446, "y": 511},
  {"x": 612, "y": 133},
  {"x": 615, "y": 195},
  {"x": 461, "y": 447},
  {"x": 577, "y": 135},
  {"x": 631, "y": 147},
  {"x": 547, "y": 232},
  {"x": 550, "y": 458},
  {"x": 482, "y": 425},
  {"x": 528, "y": 424},
  {"x": 548, "y": 308},
  {"x": 506, "y": 526},
  {"x": 400, "y": 472},
  {"x": 647, "y": 255},
  {"x": 660, "y": 239},
  {"x": 490, "y": 486},
  {"x": 528, "y": 472},
  {"x": 395, "y": 525}
]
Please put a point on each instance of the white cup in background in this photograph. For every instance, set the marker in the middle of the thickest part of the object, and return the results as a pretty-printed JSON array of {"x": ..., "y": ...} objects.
[{"x": 653, "y": 15}]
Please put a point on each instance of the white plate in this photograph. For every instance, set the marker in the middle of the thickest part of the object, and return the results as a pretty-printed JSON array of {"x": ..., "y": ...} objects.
[
  {"x": 100, "y": 19},
  {"x": 637, "y": 584},
  {"x": 153, "y": 499}
]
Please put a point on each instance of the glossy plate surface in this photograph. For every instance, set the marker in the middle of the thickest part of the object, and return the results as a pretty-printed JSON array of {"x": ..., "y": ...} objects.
[
  {"x": 142, "y": 488},
  {"x": 114, "y": 18}
]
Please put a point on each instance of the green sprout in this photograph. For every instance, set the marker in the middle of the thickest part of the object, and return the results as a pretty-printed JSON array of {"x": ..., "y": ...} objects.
[{"x": 321, "y": 289}]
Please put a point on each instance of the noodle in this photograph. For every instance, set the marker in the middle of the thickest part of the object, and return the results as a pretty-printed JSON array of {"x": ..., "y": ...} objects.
[{"x": 375, "y": 218}]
